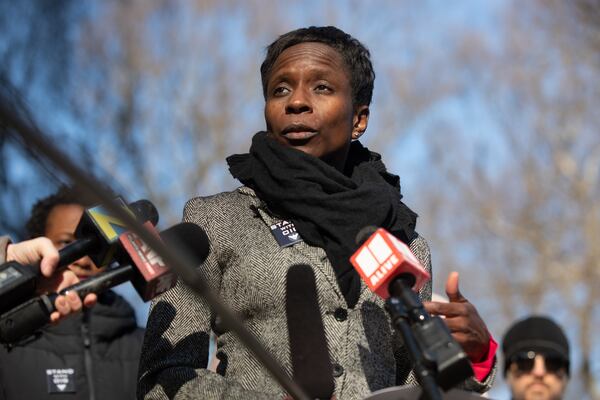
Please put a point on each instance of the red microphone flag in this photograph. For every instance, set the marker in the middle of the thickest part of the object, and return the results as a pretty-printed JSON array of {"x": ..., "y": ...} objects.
[{"x": 381, "y": 258}]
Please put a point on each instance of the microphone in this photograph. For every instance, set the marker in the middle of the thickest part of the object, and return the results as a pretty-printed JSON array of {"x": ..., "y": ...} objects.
[
  {"x": 382, "y": 259},
  {"x": 98, "y": 231},
  {"x": 143, "y": 267},
  {"x": 391, "y": 270},
  {"x": 96, "y": 234},
  {"x": 186, "y": 237},
  {"x": 311, "y": 365}
]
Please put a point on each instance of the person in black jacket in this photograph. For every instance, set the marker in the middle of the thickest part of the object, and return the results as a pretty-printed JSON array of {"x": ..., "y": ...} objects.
[{"x": 91, "y": 355}]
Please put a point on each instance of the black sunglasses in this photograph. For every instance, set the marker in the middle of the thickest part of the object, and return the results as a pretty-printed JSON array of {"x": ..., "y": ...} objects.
[{"x": 525, "y": 361}]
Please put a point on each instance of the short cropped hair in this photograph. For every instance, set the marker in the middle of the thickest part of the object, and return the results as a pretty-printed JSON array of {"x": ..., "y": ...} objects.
[
  {"x": 355, "y": 55},
  {"x": 36, "y": 225}
]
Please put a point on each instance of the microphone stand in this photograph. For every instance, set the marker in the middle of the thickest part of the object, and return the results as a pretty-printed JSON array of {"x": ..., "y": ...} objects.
[{"x": 437, "y": 358}]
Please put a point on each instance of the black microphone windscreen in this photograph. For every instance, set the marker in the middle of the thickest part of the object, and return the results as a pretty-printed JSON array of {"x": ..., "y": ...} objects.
[
  {"x": 188, "y": 238},
  {"x": 311, "y": 364},
  {"x": 144, "y": 211},
  {"x": 364, "y": 234}
]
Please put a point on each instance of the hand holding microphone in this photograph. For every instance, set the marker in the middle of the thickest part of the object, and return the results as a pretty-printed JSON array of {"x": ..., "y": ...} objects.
[
  {"x": 97, "y": 235},
  {"x": 463, "y": 320},
  {"x": 146, "y": 271},
  {"x": 32, "y": 251},
  {"x": 43, "y": 251}
]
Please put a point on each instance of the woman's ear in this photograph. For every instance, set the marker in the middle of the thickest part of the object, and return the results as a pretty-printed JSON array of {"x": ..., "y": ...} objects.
[{"x": 360, "y": 121}]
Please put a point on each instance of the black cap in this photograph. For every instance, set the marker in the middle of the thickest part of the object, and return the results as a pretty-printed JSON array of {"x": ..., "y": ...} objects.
[{"x": 539, "y": 334}]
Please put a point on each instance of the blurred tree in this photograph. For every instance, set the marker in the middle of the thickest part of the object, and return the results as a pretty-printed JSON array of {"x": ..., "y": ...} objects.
[
  {"x": 523, "y": 204},
  {"x": 153, "y": 95},
  {"x": 34, "y": 53},
  {"x": 162, "y": 91}
]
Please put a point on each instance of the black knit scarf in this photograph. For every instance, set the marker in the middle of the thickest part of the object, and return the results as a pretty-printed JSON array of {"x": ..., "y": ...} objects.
[{"x": 327, "y": 207}]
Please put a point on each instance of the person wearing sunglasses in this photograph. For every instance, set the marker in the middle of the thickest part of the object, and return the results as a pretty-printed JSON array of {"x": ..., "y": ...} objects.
[{"x": 536, "y": 359}]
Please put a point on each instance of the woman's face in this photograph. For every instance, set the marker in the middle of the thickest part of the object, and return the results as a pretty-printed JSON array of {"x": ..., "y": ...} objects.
[{"x": 309, "y": 103}]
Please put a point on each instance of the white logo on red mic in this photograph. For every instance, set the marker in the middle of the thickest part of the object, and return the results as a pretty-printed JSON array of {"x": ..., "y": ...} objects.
[
  {"x": 381, "y": 258},
  {"x": 148, "y": 256}
]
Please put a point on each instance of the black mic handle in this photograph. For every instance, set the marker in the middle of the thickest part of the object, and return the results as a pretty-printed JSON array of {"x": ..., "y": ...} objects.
[
  {"x": 74, "y": 251},
  {"x": 452, "y": 364},
  {"x": 17, "y": 282},
  {"x": 423, "y": 362},
  {"x": 26, "y": 319},
  {"x": 68, "y": 254},
  {"x": 400, "y": 287},
  {"x": 431, "y": 346},
  {"x": 101, "y": 282}
]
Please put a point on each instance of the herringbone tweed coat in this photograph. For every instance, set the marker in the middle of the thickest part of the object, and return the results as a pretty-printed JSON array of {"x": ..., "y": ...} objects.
[{"x": 247, "y": 268}]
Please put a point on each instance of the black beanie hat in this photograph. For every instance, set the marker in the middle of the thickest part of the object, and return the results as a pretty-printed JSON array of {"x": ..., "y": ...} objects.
[{"x": 538, "y": 334}]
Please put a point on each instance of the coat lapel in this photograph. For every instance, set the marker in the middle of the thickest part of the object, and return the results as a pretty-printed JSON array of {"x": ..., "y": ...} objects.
[{"x": 313, "y": 256}]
